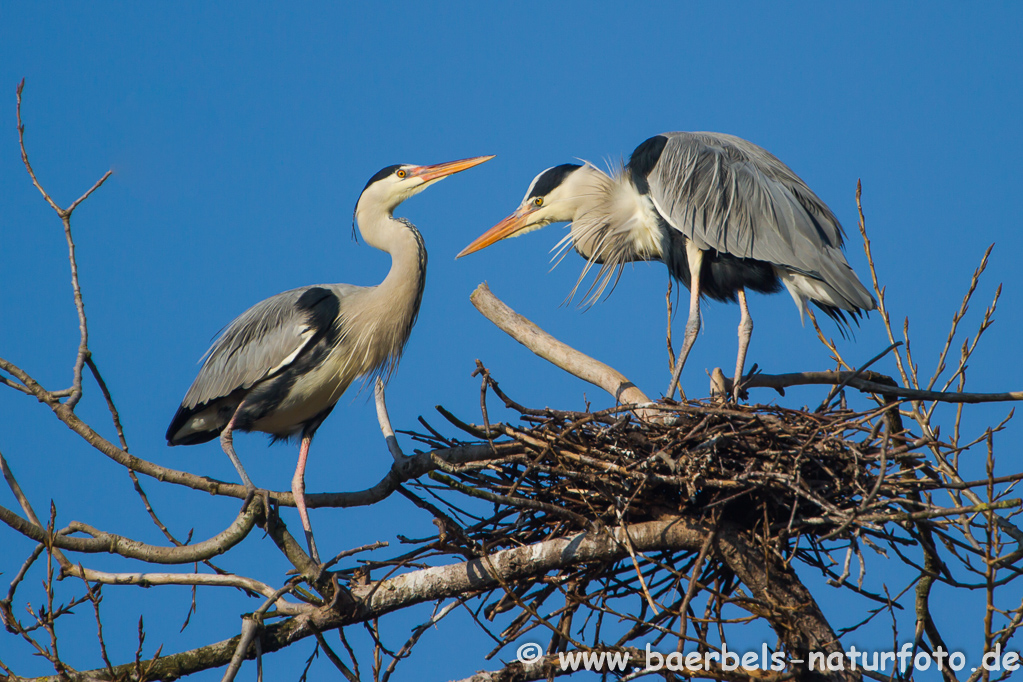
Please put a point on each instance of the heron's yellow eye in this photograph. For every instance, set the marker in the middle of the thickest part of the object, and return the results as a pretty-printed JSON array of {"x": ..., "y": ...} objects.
[
  {"x": 401, "y": 173},
  {"x": 538, "y": 201}
]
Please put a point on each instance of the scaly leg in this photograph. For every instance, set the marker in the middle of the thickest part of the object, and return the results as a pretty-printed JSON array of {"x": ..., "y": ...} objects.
[
  {"x": 227, "y": 443},
  {"x": 745, "y": 332},
  {"x": 298, "y": 490},
  {"x": 695, "y": 257}
]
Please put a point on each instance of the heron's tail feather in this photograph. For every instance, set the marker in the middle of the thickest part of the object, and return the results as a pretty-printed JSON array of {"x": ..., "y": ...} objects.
[{"x": 836, "y": 291}]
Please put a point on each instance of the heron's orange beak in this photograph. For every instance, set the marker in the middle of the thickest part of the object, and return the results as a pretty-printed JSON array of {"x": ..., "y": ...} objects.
[
  {"x": 506, "y": 228},
  {"x": 442, "y": 170}
]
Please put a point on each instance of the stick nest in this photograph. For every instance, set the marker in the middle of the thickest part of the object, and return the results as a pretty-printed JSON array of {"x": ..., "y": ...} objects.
[{"x": 788, "y": 472}]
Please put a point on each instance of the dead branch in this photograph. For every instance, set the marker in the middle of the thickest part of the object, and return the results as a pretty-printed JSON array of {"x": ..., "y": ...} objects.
[
  {"x": 554, "y": 351},
  {"x": 443, "y": 582},
  {"x": 132, "y": 549},
  {"x": 871, "y": 382},
  {"x": 211, "y": 580},
  {"x": 65, "y": 217}
]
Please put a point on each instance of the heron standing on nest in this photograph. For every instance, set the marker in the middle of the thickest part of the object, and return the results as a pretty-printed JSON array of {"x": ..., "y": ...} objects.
[{"x": 722, "y": 213}]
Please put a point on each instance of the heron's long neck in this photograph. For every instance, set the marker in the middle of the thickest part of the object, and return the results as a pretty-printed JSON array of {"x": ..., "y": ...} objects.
[
  {"x": 388, "y": 311},
  {"x": 399, "y": 238},
  {"x": 406, "y": 279}
]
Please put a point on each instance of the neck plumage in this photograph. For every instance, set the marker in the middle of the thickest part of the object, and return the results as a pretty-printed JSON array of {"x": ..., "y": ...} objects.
[
  {"x": 391, "y": 307},
  {"x": 407, "y": 277},
  {"x": 613, "y": 224},
  {"x": 399, "y": 238}
]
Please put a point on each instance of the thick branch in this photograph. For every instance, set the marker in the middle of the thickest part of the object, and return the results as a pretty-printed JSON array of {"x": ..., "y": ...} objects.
[
  {"x": 554, "y": 351},
  {"x": 788, "y": 605}
]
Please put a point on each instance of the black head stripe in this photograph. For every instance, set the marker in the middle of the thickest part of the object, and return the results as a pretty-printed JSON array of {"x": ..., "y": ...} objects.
[
  {"x": 643, "y": 160},
  {"x": 381, "y": 174},
  {"x": 551, "y": 178}
]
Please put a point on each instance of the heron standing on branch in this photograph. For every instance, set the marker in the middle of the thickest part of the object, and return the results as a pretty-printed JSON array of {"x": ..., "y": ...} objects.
[
  {"x": 282, "y": 365},
  {"x": 704, "y": 203}
]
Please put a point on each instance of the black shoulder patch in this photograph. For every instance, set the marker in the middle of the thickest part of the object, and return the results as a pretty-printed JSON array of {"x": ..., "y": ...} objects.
[
  {"x": 321, "y": 305},
  {"x": 643, "y": 160},
  {"x": 551, "y": 178}
]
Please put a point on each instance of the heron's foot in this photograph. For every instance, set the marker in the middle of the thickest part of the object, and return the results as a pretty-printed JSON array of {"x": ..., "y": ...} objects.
[
  {"x": 252, "y": 492},
  {"x": 723, "y": 389},
  {"x": 738, "y": 384}
]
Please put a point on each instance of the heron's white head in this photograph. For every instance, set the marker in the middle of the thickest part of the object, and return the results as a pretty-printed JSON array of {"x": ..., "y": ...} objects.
[
  {"x": 394, "y": 184},
  {"x": 557, "y": 195}
]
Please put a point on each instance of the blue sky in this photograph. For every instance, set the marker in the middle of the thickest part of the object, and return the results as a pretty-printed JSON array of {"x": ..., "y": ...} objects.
[{"x": 241, "y": 135}]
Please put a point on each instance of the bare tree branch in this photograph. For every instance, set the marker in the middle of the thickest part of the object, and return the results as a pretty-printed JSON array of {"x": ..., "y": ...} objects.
[
  {"x": 873, "y": 382},
  {"x": 65, "y": 216},
  {"x": 132, "y": 549},
  {"x": 801, "y": 620},
  {"x": 554, "y": 351}
]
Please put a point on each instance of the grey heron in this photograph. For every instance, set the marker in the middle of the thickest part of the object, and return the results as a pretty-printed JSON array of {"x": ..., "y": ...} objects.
[
  {"x": 705, "y": 203},
  {"x": 281, "y": 366}
]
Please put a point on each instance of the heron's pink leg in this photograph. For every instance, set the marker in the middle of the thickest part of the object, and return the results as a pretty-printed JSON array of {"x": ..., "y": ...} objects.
[
  {"x": 298, "y": 490},
  {"x": 695, "y": 257},
  {"x": 745, "y": 332}
]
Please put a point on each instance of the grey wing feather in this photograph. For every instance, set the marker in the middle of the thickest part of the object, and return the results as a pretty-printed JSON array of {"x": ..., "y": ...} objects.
[
  {"x": 259, "y": 342},
  {"x": 733, "y": 196}
]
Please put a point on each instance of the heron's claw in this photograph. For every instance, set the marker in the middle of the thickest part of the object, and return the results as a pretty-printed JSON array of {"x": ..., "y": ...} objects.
[
  {"x": 723, "y": 389},
  {"x": 251, "y": 493}
]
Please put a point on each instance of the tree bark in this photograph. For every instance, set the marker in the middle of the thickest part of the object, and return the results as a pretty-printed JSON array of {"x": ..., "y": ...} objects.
[{"x": 787, "y": 604}]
